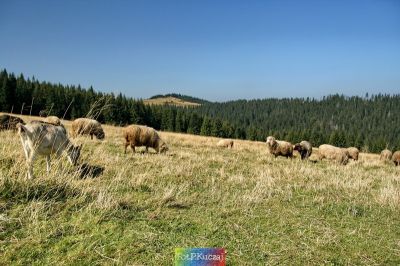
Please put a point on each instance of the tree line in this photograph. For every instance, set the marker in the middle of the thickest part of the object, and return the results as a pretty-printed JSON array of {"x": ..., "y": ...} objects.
[{"x": 370, "y": 123}]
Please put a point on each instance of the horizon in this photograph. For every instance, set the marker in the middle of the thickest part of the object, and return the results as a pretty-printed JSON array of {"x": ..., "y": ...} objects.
[
  {"x": 366, "y": 95},
  {"x": 219, "y": 52}
]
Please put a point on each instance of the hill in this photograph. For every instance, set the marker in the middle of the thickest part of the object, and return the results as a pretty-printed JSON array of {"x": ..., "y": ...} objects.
[
  {"x": 135, "y": 209},
  {"x": 169, "y": 100},
  {"x": 185, "y": 98}
]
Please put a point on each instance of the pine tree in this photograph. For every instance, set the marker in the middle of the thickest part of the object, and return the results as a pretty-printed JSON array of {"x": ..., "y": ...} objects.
[
  {"x": 206, "y": 127},
  {"x": 216, "y": 128}
]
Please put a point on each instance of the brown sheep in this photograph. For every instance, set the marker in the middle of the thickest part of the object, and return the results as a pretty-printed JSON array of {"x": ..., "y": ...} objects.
[
  {"x": 226, "y": 143},
  {"x": 279, "y": 147},
  {"x": 353, "y": 153},
  {"x": 86, "y": 126},
  {"x": 304, "y": 148},
  {"x": 136, "y": 136},
  {"x": 386, "y": 155},
  {"x": 333, "y": 153},
  {"x": 396, "y": 158},
  {"x": 9, "y": 122}
]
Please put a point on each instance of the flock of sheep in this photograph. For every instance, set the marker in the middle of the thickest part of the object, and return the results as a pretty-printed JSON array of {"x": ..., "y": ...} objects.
[
  {"x": 49, "y": 136},
  {"x": 340, "y": 155}
]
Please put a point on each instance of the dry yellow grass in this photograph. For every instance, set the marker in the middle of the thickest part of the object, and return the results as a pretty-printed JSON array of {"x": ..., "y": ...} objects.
[
  {"x": 136, "y": 208},
  {"x": 169, "y": 100}
]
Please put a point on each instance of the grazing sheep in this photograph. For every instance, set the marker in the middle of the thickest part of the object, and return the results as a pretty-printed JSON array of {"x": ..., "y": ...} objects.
[
  {"x": 86, "y": 126},
  {"x": 396, "y": 158},
  {"x": 304, "y": 148},
  {"x": 353, "y": 153},
  {"x": 46, "y": 139},
  {"x": 54, "y": 120},
  {"x": 385, "y": 155},
  {"x": 279, "y": 147},
  {"x": 9, "y": 122},
  {"x": 136, "y": 136},
  {"x": 226, "y": 143},
  {"x": 333, "y": 153}
]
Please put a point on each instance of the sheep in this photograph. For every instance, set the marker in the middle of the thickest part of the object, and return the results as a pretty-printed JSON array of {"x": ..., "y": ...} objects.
[
  {"x": 226, "y": 143},
  {"x": 386, "y": 155},
  {"x": 46, "y": 139},
  {"x": 334, "y": 153},
  {"x": 304, "y": 148},
  {"x": 279, "y": 147},
  {"x": 353, "y": 153},
  {"x": 54, "y": 120},
  {"x": 86, "y": 126},
  {"x": 143, "y": 136},
  {"x": 9, "y": 122},
  {"x": 396, "y": 158}
]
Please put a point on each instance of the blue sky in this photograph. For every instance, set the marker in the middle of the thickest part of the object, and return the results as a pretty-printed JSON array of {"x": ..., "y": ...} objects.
[{"x": 217, "y": 50}]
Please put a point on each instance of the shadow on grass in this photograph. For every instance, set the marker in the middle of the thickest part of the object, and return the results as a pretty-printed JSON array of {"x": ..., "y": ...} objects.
[
  {"x": 18, "y": 190},
  {"x": 89, "y": 171}
]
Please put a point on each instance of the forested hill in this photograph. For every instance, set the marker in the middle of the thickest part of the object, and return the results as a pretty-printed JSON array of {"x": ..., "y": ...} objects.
[{"x": 371, "y": 123}]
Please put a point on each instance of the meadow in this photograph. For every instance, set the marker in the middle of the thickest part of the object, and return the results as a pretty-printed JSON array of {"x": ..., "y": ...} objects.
[{"x": 135, "y": 209}]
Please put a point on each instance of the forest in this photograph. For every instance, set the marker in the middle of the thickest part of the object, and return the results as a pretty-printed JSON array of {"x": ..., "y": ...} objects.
[{"x": 370, "y": 123}]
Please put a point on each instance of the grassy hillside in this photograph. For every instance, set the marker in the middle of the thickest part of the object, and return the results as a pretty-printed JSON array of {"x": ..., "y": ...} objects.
[
  {"x": 186, "y": 98},
  {"x": 136, "y": 208},
  {"x": 170, "y": 101}
]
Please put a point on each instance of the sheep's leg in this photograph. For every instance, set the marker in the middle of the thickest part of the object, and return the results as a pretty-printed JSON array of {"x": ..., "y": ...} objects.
[
  {"x": 91, "y": 136},
  {"x": 133, "y": 149},
  {"x": 48, "y": 163},
  {"x": 147, "y": 149},
  {"x": 30, "y": 165},
  {"x": 27, "y": 152},
  {"x": 126, "y": 146}
]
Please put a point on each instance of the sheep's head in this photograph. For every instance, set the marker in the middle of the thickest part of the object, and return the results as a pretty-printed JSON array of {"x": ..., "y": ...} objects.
[
  {"x": 271, "y": 141},
  {"x": 297, "y": 147},
  {"x": 163, "y": 148},
  {"x": 100, "y": 134}
]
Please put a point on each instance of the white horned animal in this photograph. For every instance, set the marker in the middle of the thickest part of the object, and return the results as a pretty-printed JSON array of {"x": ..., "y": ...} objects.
[{"x": 46, "y": 139}]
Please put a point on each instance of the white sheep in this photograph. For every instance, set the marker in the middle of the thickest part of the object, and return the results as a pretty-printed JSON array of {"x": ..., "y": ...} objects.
[
  {"x": 327, "y": 151},
  {"x": 226, "y": 143}
]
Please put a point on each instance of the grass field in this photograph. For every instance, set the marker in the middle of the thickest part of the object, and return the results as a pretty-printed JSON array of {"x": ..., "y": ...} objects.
[
  {"x": 136, "y": 209},
  {"x": 169, "y": 100}
]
